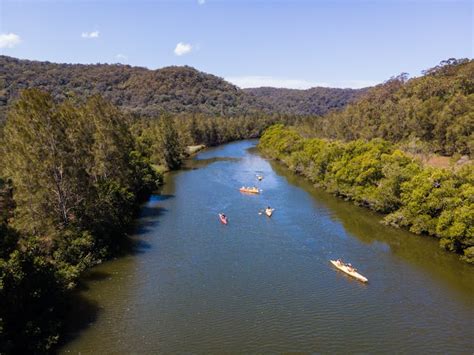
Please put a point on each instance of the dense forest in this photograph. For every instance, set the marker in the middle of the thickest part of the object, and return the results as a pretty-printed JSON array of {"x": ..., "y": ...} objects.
[
  {"x": 379, "y": 176},
  {"x": 73, "y": 177},
  {"x": 315, "y": 101},
  {"x": 433, "y": 112},
  {"x": 147, "y": 92},
  {"x": 139, "y": 90}
]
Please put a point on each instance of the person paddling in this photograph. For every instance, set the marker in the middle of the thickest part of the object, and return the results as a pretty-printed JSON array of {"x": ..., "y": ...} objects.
[
  {"x": 269, "y": 211},
  {"x": 223, "y": 218}
]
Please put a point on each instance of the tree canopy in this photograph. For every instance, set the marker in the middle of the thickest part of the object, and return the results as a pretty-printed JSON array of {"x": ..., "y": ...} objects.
[{"x": 72, "y": 177}]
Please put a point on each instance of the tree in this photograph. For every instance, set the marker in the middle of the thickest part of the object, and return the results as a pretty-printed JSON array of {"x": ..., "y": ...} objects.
[{"x": 171, "y": 147}]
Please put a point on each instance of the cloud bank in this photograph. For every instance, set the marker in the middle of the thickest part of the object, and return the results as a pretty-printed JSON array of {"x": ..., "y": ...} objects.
[
  {"x": 259, "y": 81},
  {"x": 9, "y": 40},
  {"x": 182, "y": 49}
]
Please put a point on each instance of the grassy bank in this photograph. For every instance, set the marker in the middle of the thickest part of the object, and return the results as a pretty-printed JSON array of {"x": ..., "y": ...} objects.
[{"x": 376, "y": 175}]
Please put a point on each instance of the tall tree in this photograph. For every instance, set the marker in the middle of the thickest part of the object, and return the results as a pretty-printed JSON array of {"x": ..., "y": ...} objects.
[{"x": 170, "y": 144}]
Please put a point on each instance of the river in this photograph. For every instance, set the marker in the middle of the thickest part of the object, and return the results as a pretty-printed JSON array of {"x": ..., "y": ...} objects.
[{"x": 264, "y": 284}]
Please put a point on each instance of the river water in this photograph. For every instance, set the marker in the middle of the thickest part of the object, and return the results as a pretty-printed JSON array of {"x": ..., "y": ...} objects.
[{"x": 264, "y": 284}]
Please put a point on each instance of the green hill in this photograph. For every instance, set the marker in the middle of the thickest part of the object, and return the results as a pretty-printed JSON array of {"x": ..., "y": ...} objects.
[
  {"x": 149, "y": 92},
  {"x": 314, "y": 101},
  {"x": 135, "y": 89},
  {"x": 435, "y": 110}
]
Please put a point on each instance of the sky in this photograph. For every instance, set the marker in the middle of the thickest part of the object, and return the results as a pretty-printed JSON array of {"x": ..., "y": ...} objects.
[{"x": 281, "y": 43}]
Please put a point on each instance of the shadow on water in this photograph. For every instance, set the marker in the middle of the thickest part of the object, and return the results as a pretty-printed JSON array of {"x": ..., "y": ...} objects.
[
  {"x": 92, "y": 275},
  {"x": 79, "y": 314},
  {"x": 148, "y": 219},
  {"x": 132, "y": 246},
  {"x": 409, "y": 247},
  {"x": 157, "y": 198},
  {"x": 79, "y": 311}
]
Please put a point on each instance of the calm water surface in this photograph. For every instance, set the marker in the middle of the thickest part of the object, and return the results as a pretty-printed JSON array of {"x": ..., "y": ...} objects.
[{"x": 266, "y": 285}]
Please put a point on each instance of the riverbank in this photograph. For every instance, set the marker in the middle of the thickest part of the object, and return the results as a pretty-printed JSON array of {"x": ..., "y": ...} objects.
[
  {"x": 375, "y": 175},
  {"x": 193, "y": 149}
]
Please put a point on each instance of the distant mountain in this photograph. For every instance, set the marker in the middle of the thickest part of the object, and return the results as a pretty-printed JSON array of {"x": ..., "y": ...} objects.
[
  {"x": 172, "y": 89},
  {"x": 140, "y": 90},
  {"x": 314, "y": 101}
]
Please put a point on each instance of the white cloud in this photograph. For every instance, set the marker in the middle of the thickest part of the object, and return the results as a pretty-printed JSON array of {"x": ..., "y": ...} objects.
[
  {"x": 201, "y": 2},
  {"x": 182, "y": 48},
  {"x": 355, "y": 84},
  {"x": 259, "y": 81},
  {"x": 9, "y": 40},
  {"x": 94, "y": 34},
  {"x": 121, "y": 56}
]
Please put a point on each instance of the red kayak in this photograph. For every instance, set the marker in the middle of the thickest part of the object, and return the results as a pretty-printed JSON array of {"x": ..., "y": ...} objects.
[{"x": 223, "y": 218}]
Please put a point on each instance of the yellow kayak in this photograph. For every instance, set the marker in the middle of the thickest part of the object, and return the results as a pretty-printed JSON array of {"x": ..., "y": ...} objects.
[
  {"x": 250, "y": 190},
  {"x": 349, "y": 270}
]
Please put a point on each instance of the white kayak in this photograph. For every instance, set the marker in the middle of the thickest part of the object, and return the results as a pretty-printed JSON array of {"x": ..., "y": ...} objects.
[{"x": 349, "y": 270}]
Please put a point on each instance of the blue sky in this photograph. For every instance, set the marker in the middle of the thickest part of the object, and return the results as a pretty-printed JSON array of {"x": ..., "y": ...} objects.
[{"x": 292, "y": 43}]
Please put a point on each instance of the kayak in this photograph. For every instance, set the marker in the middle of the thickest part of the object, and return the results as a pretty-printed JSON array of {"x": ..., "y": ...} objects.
[
  {"x": 250, "y": 190},
  {"x": 222, "y": 218},
  {"x": 349, "y": 270},
  {"x": 269, "y": 211}
]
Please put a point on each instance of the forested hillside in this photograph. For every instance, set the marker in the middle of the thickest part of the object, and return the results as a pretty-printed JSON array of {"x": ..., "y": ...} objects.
[
  {"x": 314, "y": 101},
  {"x": 149, "y": 92},
  {"x": 139, "y": 90},
  {"x": 434, "y": 111}
]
